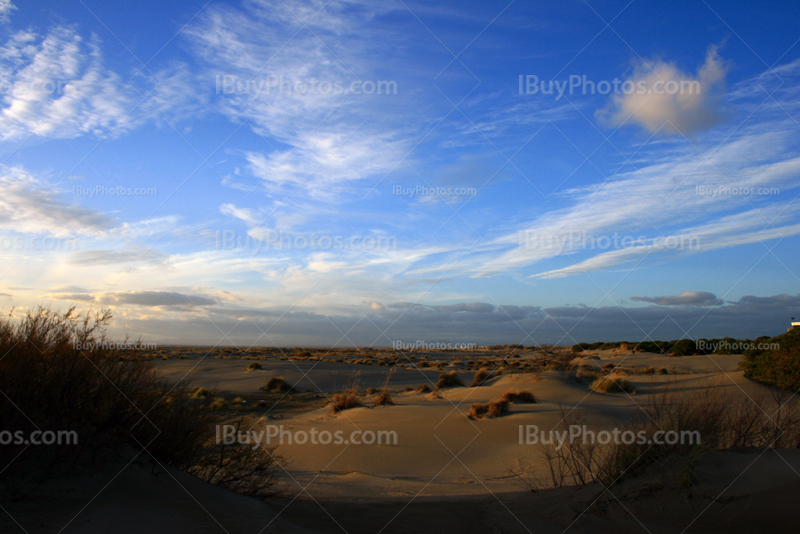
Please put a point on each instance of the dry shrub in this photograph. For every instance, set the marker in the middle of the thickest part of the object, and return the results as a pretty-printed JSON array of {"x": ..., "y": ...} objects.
[
  {"x": 343, "y": 401},
  {"x": 60, "y": 372},
  {"x": 201, "y": 393},
  {"x": 277, "y": 384},
  {"x": 704, "y": 420},
  {"x": 481, "y": 376},
  {"x": 662, "y": 371},
  {"x": 218, "y": 404},
  {"x": 242, "y": 468},
  {"x": 518, "y": 396},
  {"x": 584, "y": 374},
  {"x": 613, "y": 383},
  {"x": 371, "y": 391},
  {"x": 382, "y": 399},
  {"x": 423, "y": 388},
  {"x": 490, "y": 409},
  {"x": 449, "y": 380},
  {"x": 254, "y": 366}
]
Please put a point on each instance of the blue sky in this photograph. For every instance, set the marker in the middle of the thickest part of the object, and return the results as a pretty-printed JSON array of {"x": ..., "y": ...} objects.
[{"x": 320, "y": 173}]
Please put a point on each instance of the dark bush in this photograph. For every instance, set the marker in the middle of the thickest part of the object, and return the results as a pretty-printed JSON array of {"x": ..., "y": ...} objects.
[
  {"x": 59, "y": 372},
  {"x": 684, "y": 347},
  {"x": 778, "y": 367}
]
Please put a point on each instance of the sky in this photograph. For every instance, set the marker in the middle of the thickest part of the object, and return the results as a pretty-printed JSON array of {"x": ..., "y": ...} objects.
[{"x": 353, "y": 173}]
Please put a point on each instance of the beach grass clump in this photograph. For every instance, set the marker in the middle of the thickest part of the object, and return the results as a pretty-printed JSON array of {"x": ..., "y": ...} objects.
[
  {"x": 382, "y": 399},
  {"x": 449, "y": 380},
  {"x": 522, "y": 396},
  {"x": 254, "y": 366},
  {"x": 277, "y": 384},
  {"x": 481, "y": 376},
  {"x": 343, "y": 401},
  {"x": 613, "y": 383},
  {"x": 489, "y": 410}
]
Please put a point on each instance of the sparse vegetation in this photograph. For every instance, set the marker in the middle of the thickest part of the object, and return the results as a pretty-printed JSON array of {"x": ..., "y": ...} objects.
[
  {"x": 518, "y": 396},
  {"x": 382, "y": 399},
  {"x": 254, "y": 366},
  {"x": 481, "y": 376},
  {"x": 491, "y": 409},
  {"x": 449, "y": 380},
  {"x": 63, "y": 373},
  {"x": 343, "y": 401},
  {"x": 613, "y": 383},
  {"x": 277, "y": 384}
]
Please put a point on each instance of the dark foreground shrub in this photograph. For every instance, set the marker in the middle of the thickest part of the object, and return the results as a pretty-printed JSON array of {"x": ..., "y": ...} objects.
[{"x": 59, "y": 373}]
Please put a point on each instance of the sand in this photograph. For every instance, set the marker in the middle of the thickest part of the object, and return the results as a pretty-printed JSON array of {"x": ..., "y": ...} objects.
[{"x": 446, "y": 472}]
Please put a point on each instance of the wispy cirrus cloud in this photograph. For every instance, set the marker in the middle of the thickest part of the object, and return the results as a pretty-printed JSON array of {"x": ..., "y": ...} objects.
[{"x": 293, "y": 71}]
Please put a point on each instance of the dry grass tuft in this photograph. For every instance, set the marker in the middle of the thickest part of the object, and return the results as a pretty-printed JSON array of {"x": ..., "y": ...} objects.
[
  {"x": 277, "y": 384},
  {"x": 481, "y": 376},
  {"x": 518, "y": 396},
  {"x": 488, "y": 410},
  {"x": 382, "y": 399},
  {"x": 343, "y": 401},
  {"x": 613, "y": 383},
  {"x": 423, "y": 388},
  {"x": 254, "y": 366},
  {"x": 449, "y": 380}
]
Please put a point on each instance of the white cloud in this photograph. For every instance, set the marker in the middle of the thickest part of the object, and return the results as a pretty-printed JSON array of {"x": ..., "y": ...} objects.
[
  {"x": 56, "y": 85},
  {"x": 662, "y": 97},
  {"x": 6, "y": 7},
  {"x": 324, "y": 141},
  {"x": 28, "y": 206}
]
